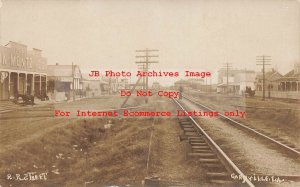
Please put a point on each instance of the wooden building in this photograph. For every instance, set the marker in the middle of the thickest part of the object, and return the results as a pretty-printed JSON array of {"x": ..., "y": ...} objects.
[
  {"x": 181, "y": 83},
  {"x": 238, "y": 80},
  {"x": 280, "y": 86},
  {"x": 22, "y": 71},
  {"x": 94, "y": 87},
  {"x": 271, "y": 83},
  {"x": 290, "y": 81},
  {"x": 156, "y": 85},
  {"x": 64, "y": 82}
]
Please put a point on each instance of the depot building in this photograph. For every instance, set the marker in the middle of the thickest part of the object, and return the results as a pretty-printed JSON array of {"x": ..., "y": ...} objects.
[{"x": 22, "y": 71}]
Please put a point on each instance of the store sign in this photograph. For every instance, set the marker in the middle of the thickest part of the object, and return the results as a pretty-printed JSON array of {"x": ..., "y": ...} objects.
[{"x": 16, "y": 59}]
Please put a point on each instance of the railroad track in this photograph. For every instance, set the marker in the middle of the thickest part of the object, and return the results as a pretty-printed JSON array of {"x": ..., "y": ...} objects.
[
  {"x": 274, "y": 139},
  {"x": 218, "y": 165}
]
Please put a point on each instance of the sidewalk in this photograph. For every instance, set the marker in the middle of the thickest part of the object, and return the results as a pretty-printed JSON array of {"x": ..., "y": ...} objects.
[
  {"x": 76, "y": 99},
  {"x": 9, "y": 106}
]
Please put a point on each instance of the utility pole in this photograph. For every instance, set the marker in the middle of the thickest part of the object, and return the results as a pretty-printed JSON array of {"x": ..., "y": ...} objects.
[
  {"x": 142, "y": 67},
  {"x": 210, "y": 86},
  {"x": 109, "y": 85},
  {"x": 132, "y": 89},
  {"x": 227, "y": 66},
  {"x": 206, "y": 88},
  {"x": 146, "y": 61},
  {"x": 73, "y": 77},
  {"x": 0, "y": 22},
  {"x": 1, "y": 4},
  {"x": 145, "y": 65},
  {"x": 263, "y": 59}
]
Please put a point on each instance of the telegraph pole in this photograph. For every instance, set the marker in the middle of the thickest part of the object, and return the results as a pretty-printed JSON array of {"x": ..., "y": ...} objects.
[
  {"x": 263, "y": 59},
  {"x": 132, "y": 89},
  {"x": 142, "y": 67},
  {"x": 210, "y": 85},
  {"x": 227, "y": 66},
  {"x": 146, "y": 61},
  {"x": 206, "y": 84},
  {"x": 109, "y": 86},
  {"x": 73, "y": 80},
  {"x": 145, "y": 65},
  {"x": 1, "y": 21}
]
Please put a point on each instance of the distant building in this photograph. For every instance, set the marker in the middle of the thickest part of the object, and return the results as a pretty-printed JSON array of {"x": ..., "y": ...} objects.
[
  {"x": 238, "y": 80},
  {"x": 93, "y": 88},
  {"x": 198, "y": 84},
  {"x": 181, "y": 83},
  {"x": 138, "y": 86},
  {"x": 156, "y": 85},
  {"x": 271, "y": 78},
  {"x": 280, "y": 86},
  {"x": 21, "y": 71},
  {"x": 124, "y": 84},
  {"x": 64, "y": 82},
  {"x": 113, "y": 84},
  {"x": 291, "y": 80}
]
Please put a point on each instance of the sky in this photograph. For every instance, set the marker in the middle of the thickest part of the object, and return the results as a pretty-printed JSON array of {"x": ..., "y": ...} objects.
[{"x": 193, "y": 35}]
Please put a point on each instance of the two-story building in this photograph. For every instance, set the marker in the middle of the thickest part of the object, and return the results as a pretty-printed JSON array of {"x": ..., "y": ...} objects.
[
  {"x": 22, "y": 71},
  {"x": 235, "y": 80}
]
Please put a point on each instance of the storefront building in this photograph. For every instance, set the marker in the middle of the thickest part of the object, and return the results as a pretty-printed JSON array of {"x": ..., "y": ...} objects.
[
  {"x": 21, "y": 71},
  {"x": 64, "y": 82}
]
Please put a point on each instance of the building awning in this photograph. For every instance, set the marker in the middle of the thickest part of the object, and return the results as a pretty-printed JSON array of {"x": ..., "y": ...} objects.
[
  {"x": 283, "y": 79},
  {"x": 61, "y": 79},
  {"x": 94, "y": 80},
  {"x": 229, "y": 84}
]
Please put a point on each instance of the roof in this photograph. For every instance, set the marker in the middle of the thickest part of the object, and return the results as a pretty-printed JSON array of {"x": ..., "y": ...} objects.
[
  {"x": 195, "y": 80},
  {"x": 290, "y": 76},
  {"x": 59, "y": 70},
  {"x": 36, "y": 49},
  {"x": 62, "y": 70},
  {"x": 94, "y": 80},
  {"x": 18, "y": 43},
  {"x": 270, "y": 75},
  {"x": 181, "y": 82},
  {"x": 289, "y": 79},
  {"x": 229, "y": 84},
  {"x": 235, "y": 70},
  {"x": 110, "y": 79}
]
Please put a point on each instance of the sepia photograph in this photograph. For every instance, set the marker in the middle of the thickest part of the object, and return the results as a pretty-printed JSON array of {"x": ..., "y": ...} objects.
[{"x": 156, "y": 93}]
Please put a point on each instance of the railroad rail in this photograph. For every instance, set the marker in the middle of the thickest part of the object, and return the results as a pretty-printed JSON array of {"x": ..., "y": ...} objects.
[
  {"x": 210, "y": 154},
  {"x": 278, "y": 142}
]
